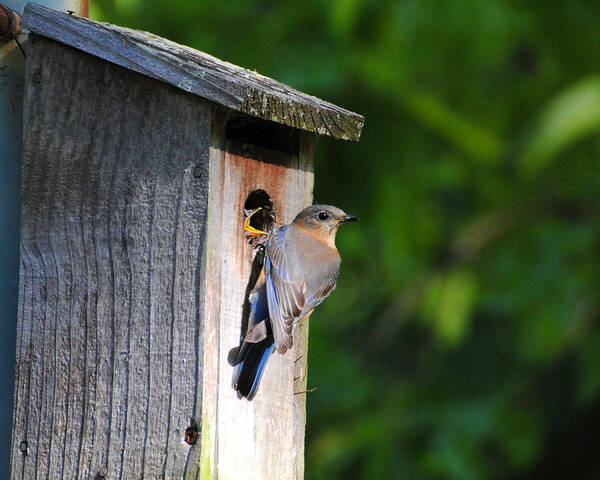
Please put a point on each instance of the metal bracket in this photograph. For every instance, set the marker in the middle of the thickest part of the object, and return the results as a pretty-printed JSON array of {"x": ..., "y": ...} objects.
[{"x": 9, "y": 24}]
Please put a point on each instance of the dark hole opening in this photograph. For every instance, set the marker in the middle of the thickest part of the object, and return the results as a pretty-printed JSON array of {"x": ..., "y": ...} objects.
[
  {"x": 263, "y": 133},
  {"x": 264, "y": 219}
]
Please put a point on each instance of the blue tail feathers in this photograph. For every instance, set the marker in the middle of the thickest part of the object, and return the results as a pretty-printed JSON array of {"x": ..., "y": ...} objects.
[{"x": 248, "y": 373}]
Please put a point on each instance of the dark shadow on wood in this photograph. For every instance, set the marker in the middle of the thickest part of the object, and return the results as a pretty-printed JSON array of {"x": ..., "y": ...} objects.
[
  {"x": 263, "y": 133},
  {"x": 264, "y": 220},
  {"x": 263, "y": 154},
  {"x": 257, "y": 265}
]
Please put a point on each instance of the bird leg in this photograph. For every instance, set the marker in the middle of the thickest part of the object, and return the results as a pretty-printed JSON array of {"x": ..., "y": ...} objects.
[
  {"x": 298, "y": 321},
  {"x": 300, "y": 378},
  {"x": 305, "y": 391}
]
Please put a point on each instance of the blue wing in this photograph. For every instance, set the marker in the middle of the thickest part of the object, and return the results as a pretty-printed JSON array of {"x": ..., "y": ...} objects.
[
  {"x": 286, "y": 298},
  {"x": 257, "y": 346},
  {"x": 248, "y": 373}
]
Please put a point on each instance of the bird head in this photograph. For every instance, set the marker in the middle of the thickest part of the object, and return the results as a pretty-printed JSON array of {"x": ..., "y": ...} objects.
[{"x": 323, "y": 220}]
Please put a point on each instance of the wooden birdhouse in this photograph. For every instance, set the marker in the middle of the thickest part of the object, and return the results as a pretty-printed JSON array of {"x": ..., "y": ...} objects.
[{"x": 140, "y": 156}]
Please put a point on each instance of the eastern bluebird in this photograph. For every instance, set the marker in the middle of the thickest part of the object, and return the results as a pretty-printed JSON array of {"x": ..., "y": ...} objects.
[{"x": 300, "y": 270}]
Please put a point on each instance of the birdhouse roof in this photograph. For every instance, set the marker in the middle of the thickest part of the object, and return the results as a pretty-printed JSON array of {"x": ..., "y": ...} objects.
[{"x": 195, "y": 72}]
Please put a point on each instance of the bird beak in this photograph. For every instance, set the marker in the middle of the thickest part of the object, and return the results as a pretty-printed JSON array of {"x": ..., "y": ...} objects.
[
  {"x": 249, "y": 230},
  {"x": 347, "y": 218}
]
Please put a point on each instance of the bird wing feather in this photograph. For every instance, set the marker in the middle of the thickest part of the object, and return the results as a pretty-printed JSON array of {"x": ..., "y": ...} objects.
[
  {"x": 288, "y": 298},
  {"x": 285, "y": 305}
]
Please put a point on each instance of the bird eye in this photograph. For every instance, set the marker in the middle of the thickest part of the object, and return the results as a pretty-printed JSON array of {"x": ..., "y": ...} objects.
[{"x": 323, "y": 216}]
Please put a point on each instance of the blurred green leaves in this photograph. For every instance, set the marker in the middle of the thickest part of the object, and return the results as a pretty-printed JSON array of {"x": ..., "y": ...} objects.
[
  {"x": 473, "y": 139},
  {"x": 343, "y": 18},
  {"x": 449, "y": 303},
  {"x": 569, "y": 117}
]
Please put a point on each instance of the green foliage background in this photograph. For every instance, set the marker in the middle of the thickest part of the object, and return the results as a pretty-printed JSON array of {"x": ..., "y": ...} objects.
[{"x": 463, "y": 341}]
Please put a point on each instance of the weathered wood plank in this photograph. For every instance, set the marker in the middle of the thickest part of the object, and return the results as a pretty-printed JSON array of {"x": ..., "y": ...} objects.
[
  {"x": 112, "y": 247},
  {"x": 300, "y": 374},
  {"x": 267, "y": 433},
  {"x": 196, "y": 72}
]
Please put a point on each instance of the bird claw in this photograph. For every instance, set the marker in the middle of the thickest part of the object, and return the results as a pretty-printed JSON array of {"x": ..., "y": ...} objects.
[{"x": 310, "y": 390}]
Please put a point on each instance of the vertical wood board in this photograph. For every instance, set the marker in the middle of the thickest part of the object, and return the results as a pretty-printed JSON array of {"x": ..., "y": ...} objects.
[
  {"x": 266, "y": 434},
  {"x": 110, "y": 338}
]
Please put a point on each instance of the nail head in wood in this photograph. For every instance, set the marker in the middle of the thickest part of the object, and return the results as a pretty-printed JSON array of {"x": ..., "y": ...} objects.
[
  {"x": 191, "y": 433},
  {"x": 23, "y": 447},
  {"x": 191, "y": 436}
]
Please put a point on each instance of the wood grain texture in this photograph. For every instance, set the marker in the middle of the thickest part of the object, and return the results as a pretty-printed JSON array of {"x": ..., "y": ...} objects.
[
  {"x": 110, "y": 339},
  {"x": 268, "y": 432},
  {"x": 196, "y": 72},
  {"x": 132, "y": 279}
]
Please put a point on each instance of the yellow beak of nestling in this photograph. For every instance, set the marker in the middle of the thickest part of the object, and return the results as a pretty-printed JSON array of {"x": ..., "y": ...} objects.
[{"x": 249, "y": 230}]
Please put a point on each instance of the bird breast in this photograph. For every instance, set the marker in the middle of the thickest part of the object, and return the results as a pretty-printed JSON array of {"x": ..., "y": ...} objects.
[{"x": 314, "y": 260}]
